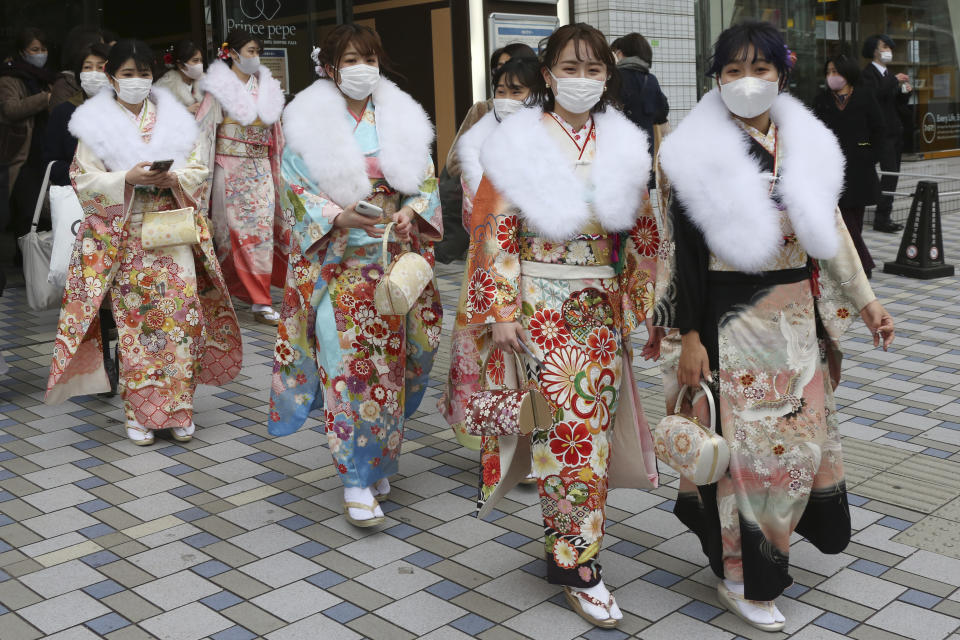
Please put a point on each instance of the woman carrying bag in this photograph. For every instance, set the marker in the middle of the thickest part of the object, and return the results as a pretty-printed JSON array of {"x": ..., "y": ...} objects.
[
  {"x": 358, "y": 155},
  {"x": 176, "y": 325},
  {"x": 762, "y": 282},
  {"x": 561, "y": 267}
]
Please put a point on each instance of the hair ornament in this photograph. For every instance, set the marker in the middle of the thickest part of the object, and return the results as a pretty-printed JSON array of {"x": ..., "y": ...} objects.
[
  {"x": 791, "y": 57},
  {"x": 318, "y": 67},
  {"x": 224, "y": 51}
]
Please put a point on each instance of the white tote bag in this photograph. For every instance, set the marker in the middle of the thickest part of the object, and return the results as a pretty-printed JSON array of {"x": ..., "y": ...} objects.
[
  {"x": 66, "y": 213},
  {"x": 36, "y": 249}
]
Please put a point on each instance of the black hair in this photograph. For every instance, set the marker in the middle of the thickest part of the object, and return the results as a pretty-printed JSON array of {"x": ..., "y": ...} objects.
[
  {"x": 109, "y": 36},
  {"x": 95, "y": 49},
  {"x": 238, "y": 39},
  {"x": 870, "y": 44},
  {"x": 77, "y": 39},
  {"x": 514, "y": 50},
  {"x": 634, "y": 45},
  {"x": 27, "y": 35},
  {"x": 183, "y": 50},
  {"x": 845, "y": 66},
  {"x": 519, "y": 72},
  {"x": 734, "y": 43},
  {"x": 126, "y": 49}
]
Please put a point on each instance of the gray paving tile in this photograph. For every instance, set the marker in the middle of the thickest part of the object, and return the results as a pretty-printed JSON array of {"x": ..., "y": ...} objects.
[{"x": 420, "y": 612}]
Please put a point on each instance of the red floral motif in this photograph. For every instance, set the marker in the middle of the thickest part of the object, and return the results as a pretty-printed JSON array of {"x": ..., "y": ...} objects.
[
  {"x": 362, "y": 368},
  {"x": 379, "y": 393},
  {"x": 507, "y": 235},
  {"x": 548, "y": 330},
  {"x": 297, "y": 189},
  {"x": 747, "y": 379},
  {"x": 491, "y": 469},
  {"x": 570, "y": 442},
  {"x": 481, "y": 291},
  {"x": 646, "y": 237},
  {"x": 284, "y": 353},
  {"x": 495, "y": 367},
  {"x": 843, "y": 313},
  {"x": 602, "y": 346},
  {"x": 331, "y": 271}
]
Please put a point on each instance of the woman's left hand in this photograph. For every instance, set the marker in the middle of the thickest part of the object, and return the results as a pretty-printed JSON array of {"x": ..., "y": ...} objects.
[
  {"x": 879, "y": 322},
  {"x": 404, "y": 222},
  {"x": 651, "y": 350},
  {"x": 166, "y": 180}
]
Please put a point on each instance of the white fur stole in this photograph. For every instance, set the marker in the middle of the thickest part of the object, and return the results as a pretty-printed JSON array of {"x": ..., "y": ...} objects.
[
  {"x": 239, "y": 104},
  {"x": 317, "y": 127},
  {"x": 469, "y": 146},
  {"x": 726, "y": 194}
]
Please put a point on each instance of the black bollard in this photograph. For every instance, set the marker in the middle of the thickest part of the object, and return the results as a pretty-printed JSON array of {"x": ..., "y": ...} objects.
[{"x": 921, "y": 248}]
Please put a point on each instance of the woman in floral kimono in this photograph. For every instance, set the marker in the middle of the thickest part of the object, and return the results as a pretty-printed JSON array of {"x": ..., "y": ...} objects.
[
  {"x": 176, "y": 325},
  {"x": 562, "y": 266},
  {"x": 762, "y": 280},
  {"x": 355, "y": 136},
  {"x": 240, "y": 114},
  {"x": 513, "y": 85}
]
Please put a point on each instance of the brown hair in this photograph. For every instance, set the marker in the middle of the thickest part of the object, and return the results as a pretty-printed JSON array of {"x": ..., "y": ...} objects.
[
  {"x": 590, "y": 37},
  {"x": 238, "y": 39},
  {"x": 364, "y": 39}
]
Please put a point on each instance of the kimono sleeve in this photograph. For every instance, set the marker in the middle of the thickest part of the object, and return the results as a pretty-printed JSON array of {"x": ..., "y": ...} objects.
[
  {"x": 427, "y": 205},
  {"x": 844, "y": 288},
  {"x": 96, "y": 187},
  {"x": 493, "y": 265},
  {"x": 313, "y": 211},
  {"x": 192, "y": 176},
  {"x": 639, "y": 263},
  {"x": 691, "y": 260}
]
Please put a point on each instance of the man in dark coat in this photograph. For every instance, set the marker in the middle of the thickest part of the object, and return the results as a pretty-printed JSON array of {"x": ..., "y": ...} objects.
[{"x": 891, "y": 91}]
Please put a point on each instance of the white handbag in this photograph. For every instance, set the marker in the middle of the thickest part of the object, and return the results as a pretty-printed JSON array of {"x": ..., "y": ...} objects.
[
  {"x": 698, "y": 453},
  {"x": 66, "y": 213},
  {"x": 37, "y": 249},
  {"x": 403, "y": 280}
]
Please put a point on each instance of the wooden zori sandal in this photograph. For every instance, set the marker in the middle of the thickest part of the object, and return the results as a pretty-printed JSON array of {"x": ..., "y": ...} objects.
[
  {"x": 731, "y": 598},
  {"x": 573, "y": 599},
  {"x": 369, "y": 522}
]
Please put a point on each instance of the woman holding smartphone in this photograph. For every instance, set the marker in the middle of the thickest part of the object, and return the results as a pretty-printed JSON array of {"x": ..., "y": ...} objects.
[
  {"x": 561, "y": 266},
  {"x": 240, "y": 115},
  {"x": 358, "y": 145},
  {"x": 764, "y": 280},
  {"x": 175, "y": 321}
]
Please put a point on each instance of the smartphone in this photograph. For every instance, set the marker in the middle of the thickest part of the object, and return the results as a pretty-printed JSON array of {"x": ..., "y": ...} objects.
[
  {"x": 161, "y": 165},
  {"x": 364, "y": 208}
]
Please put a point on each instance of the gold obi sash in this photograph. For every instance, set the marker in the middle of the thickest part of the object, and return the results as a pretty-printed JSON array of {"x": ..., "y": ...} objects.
[{"x": 245, "y": 141}]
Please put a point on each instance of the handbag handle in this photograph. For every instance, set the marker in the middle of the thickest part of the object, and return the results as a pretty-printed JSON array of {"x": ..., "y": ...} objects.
[
  {"x": 385, "y": 257},
  {"x": 41, "y": 196},
  {"x": 706, "y": 390}
]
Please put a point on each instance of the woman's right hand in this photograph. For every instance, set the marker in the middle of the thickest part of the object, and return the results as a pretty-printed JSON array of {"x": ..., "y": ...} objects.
[
  {"x": 508, "y": 336},
  {"x": 194, "y": 108},
  {"x": 140, "y": 174},
  {"x": 350, "y": 219},
  {"x": 694, "y": 361}
]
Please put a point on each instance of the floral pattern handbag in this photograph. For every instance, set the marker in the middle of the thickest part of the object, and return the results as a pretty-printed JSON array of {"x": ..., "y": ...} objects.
[
  {"x": 699, "y": 453},
  {"x": 403, "y": 280},
  {"x": 509, "y": 412},
  {"x": 169, "y": 229}
]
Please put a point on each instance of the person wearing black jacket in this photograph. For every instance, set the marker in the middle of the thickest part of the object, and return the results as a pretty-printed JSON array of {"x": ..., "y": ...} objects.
[
  {"x": 644, "y": 103},
  {"x": 852, "y": 113},
  {"x": 892, "y": 92}
]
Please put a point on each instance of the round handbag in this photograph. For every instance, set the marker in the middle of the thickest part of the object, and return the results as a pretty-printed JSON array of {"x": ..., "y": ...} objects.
[
  {"x": 403, "y": 280},
  {"x": 698, "y": 453}
]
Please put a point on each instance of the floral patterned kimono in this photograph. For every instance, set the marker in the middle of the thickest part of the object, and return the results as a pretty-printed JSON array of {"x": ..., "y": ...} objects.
[
  {"x": 175, "y": 321},
  {"x": 247, "y": 142},
  {"x": 334, "y": 350},
  {"x": 562, "y": 242},
  {"x": 470, "y": 343},
  {"x": 738, "y": 266}
]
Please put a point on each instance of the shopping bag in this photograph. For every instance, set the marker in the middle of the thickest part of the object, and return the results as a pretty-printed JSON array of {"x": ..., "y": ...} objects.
[
  {"x": 66, "y": 213},
  {"x": 37, "y": 249}
]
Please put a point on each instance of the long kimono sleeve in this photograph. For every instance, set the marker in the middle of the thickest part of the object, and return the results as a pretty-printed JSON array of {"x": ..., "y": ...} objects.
[
  {"x": 843, "y": 284},
  {"x": 313, "y": 212},
  {"x": 639, "y": 275},
  {"x": 427, "y": 205},
  {"x": 493, "y": 266},
  {"x": 192, "y": 177},
  {"x": 98, "y": 189},
  {"x": 690, "y": 270}
]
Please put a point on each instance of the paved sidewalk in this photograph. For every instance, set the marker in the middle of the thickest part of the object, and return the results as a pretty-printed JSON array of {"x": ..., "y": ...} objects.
[{"x": 237, "y": 535}]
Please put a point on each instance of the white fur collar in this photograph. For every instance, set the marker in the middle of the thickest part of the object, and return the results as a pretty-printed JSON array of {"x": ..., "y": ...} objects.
[
  {"x": 317, "y": 128},
  {"x": 468, "y": 149},
  {"x": 114, "y": 138},
  {"x": 226, "y": 87},
  {"x": 724, "y": 192},
  {"x": 526, "y": 166}
]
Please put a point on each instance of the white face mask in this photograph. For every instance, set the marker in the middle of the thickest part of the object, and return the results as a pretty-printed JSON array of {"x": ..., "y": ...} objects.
[
  {"x": 359, "y": 80},
  {"x": 505, "y": 106},
  {"x": 749, "y": 97},
  {"x": 194, "y": 71},
  {"x": 248, "y": 65},
  {"x": 92, "y": 82},
  {"x": 577, "y": 95},
  {"x": 886, "y": 57},
  {"x": 36, "y": 59},
  {"x": 133, "y": 90}
]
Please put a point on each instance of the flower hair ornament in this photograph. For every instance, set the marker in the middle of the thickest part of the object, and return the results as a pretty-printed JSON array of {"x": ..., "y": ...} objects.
[
  {"x": 168, "y": 57},
  {"x": 315, "y": 56},
  {"x": 791, "y": 57},
  {"x": 224, "y": 51}
]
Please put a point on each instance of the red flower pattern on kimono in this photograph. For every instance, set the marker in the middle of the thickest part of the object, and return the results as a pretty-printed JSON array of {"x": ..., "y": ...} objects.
[
  {"x": 570, "y": 441},
  {"x": 547, "y": 329}
]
